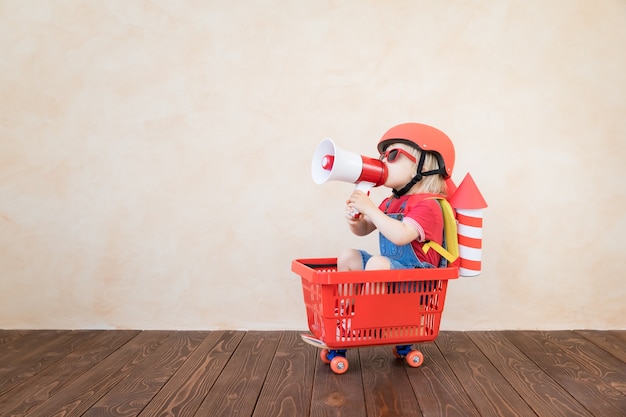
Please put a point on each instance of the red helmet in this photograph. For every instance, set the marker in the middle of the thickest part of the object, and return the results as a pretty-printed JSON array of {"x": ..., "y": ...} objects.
[{"x": 425, "y": 138}]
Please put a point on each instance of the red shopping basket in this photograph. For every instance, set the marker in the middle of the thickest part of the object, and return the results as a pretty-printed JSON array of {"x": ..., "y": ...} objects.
[{"x": 367, "y": 308}]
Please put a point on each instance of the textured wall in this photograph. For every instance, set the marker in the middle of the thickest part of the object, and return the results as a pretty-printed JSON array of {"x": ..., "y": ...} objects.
[{"x": 154, "y": 155}]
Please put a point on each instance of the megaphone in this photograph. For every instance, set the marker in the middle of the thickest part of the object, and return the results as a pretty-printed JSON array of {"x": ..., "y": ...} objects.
[{"x": 331, "y": 163}]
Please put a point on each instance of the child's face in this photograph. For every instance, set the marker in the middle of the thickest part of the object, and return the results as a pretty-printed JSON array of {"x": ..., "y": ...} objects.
[{"x": 402, "y": 169}]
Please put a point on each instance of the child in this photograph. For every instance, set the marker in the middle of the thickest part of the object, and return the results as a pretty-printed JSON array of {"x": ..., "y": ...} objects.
[{"x": 419, "y": 159}]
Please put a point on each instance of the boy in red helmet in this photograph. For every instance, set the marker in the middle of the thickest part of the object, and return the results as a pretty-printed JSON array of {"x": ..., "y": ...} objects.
[{"x": 419, "y": 159}]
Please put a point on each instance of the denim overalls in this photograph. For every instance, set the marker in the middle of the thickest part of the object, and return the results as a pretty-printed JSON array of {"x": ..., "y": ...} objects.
[{"x": 400, "y": 257}]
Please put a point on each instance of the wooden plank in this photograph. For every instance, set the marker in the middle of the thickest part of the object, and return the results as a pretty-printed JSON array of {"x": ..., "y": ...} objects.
[
  {"x": 613, "y": 342},
  {"x": 78, "y": 396},
  {"x": 36, "y": 355},
  {"x": 338, "y": 395},
  {"x": 586, "y": 387},
  {"x": 55, "y": 378},
  {"x": 289, "y": 383},
  {"x": 236, "y": 390},
  {"x": 386, "y": 384},
  {"x": 141, "y": 384},
  {"x": 16, "y": 348},
  {"x": 183, "y": 394},
  {"x": 610, "y": 369},
  {"x": 489, "y": 391},
  {"x": 22, "y": 339},
  {"x": 540, "y": 392},
  {"x": 437, "y": 388},
  {"x": 8, "y": 336}
]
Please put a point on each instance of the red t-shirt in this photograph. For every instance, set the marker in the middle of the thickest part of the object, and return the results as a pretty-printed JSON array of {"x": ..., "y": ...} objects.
[{"x": 423, "y": 213}]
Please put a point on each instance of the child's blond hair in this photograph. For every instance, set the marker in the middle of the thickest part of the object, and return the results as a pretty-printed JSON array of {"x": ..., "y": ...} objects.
[{"x": 434, "y": 184}]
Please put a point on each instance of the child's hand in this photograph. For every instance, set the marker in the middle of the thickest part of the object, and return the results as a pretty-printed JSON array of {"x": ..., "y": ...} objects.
[
  {"x": 361, "y": 224},
  {"x": 360, "y": 202},
  {"x": 352, "y": 216}
]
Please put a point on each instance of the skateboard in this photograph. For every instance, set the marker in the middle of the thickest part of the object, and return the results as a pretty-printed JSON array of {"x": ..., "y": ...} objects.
[{"x": 308, "y": 338}]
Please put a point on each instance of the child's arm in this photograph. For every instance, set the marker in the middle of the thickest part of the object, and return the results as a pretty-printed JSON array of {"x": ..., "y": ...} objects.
[{"x": 396, "y": 231}]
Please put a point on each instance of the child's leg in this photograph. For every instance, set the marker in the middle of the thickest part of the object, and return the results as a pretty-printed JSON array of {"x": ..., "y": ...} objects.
[
  {"x": 378, "y": 262},
  {"x": 350, "y": 260}
]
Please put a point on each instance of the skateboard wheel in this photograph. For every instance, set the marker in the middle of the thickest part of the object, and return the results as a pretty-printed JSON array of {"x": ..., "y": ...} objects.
[
  {"x": 324, "y": 356},
  {"x": 339, "y": 365},
  {"x": 414, "y": 358},
  {"x": 395, "y": 353},
  {"x": 401, "y": 351}
]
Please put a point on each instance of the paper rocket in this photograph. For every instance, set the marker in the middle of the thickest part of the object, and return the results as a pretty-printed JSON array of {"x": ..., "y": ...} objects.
[{"x": 469, "y": 204}]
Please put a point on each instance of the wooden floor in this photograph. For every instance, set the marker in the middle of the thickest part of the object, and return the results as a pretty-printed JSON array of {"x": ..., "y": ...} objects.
[{"x": 234, "y": 373}]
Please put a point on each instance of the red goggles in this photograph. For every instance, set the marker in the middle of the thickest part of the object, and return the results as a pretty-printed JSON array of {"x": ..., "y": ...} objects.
[{"x": 392, "y": 155}]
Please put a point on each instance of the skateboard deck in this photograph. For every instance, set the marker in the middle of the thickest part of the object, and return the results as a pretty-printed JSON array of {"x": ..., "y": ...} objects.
[{"x": 308, "y": 338}]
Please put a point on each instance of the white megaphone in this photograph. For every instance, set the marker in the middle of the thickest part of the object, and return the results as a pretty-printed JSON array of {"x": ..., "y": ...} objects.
[{"x": 331, "y": 163}]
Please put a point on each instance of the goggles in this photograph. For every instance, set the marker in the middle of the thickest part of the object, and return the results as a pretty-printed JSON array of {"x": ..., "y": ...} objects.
[{"x": 392, "y": 155}]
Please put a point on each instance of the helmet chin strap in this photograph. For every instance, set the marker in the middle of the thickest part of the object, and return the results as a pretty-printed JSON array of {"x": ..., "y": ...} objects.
[{"x": 418, "y": 177}]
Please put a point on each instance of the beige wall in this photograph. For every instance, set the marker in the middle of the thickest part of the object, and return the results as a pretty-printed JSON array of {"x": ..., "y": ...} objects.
[{"x": 154, "y": 155}]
